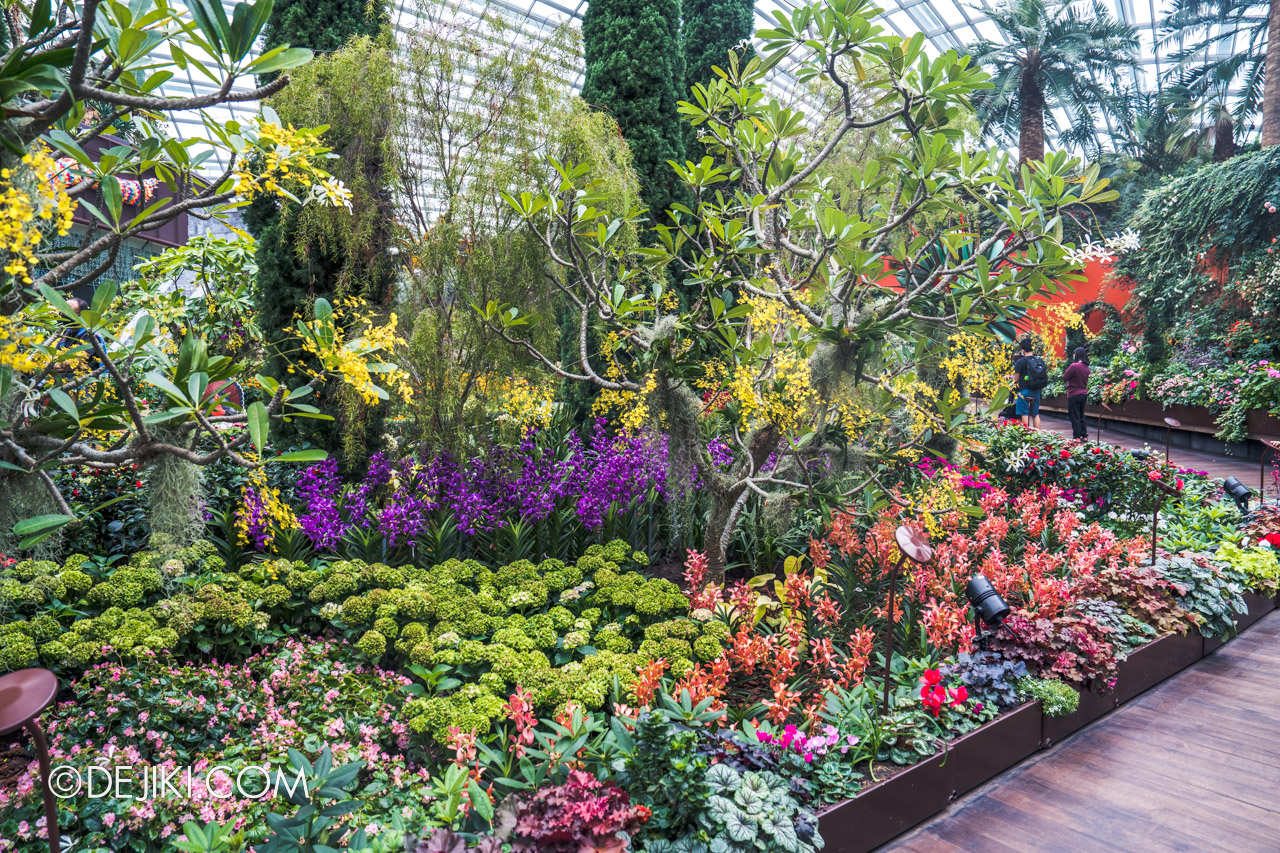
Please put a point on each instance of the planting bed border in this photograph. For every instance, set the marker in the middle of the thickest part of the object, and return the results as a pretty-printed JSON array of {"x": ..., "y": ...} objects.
[
  {"x": 885, "y": 810},
  {"x": 1258, "y": 422}
]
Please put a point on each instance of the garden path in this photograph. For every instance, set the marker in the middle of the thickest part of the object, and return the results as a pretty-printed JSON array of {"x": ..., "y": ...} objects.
[
  {"x": 1193, "y": 764},
  {"x": 1217, "y": 465}
]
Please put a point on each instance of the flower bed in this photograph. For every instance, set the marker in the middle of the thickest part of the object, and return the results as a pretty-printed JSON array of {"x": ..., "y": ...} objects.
[
  {"x": 556, "y": 689},
  {"x": 897, "y": 804}
]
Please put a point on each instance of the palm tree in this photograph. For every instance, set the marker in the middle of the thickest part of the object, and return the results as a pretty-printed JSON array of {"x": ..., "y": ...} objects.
[
  {"x": 1205, "y": 116},
  {"x": 1149, "y": 130},
  {"x": 1053, "y": 57},
  {"x": 1229, "y": 44}
]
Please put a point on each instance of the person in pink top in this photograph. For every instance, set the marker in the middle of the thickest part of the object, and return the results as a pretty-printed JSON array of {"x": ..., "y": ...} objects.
[{"x": 1077, "y": 377}]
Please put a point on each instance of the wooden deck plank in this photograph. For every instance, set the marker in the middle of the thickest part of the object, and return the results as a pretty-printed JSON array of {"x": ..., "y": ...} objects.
[{"x": 1192, "y": 765}]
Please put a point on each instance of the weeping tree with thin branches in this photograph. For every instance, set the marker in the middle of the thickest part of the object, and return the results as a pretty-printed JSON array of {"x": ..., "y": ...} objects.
[
  {"x": 792, "y": 340},
  {"x": 1053, "y": 56}
]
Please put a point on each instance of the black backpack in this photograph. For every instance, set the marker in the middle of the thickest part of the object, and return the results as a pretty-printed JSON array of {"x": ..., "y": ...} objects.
[{"x": 1037, "y": 375}]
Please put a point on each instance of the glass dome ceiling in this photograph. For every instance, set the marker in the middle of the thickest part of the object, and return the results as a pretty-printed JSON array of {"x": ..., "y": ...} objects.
[{"x": 947, "y": 24}]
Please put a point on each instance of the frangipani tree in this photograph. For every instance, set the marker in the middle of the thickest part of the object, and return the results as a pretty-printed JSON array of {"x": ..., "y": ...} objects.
[
  {"x": 76, "y": 388},
  {"x": 796, "y": 339}
]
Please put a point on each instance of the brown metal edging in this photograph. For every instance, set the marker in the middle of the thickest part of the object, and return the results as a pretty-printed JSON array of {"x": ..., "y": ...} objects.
[{"x": 886, "y": 810}]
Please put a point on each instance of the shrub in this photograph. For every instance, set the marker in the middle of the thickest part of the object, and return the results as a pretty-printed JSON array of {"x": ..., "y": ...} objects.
[
  {"x": 1260, "y": 567},
  {"x": 1057, "y": 699},
  {"x": 989, "y": 676},
  {"x": 1210, "y": 591}
]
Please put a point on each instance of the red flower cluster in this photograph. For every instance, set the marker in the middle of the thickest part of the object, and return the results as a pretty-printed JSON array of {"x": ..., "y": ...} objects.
[{"x": 933, "y": 695}]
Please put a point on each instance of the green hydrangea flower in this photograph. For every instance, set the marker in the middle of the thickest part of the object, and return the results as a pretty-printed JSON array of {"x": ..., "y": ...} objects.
[
  {"x": 372, "y": 644},
  {"x": 275, "y": 595},
  {"x": 17, "y": 651},
  {"x": 357, "y": 610}
]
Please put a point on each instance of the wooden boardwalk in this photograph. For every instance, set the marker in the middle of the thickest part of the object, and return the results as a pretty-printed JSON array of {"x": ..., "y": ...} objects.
[{"x": 1193, "y": 764}]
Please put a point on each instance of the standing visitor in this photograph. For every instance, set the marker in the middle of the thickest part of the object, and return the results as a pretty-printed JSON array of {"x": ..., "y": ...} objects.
[
  {"x": 1033, "y": 375},
  {"x": 1077, "y": 377}
]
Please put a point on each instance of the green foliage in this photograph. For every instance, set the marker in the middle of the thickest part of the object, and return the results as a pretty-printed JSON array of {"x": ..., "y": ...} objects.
[
  {"x": 309, "y": 252},
  {"x": 324, "y": 26},
  {"x": 1057, "y": 698},
  {"x": 1191, "y": 224},
  {"x": 747, "y": 811},
  {"x": 1194, "y": 526},
  {"x": 1259, "y": 565},
  {"x": 668, "y": 774},
  {"x": 711, "y": 29},
  {"x": 1210, "y": 591},
  {"x": 496, "y": 109},
  {"x": 317, "y": 825},
  {"x": 635, "y": 73}
]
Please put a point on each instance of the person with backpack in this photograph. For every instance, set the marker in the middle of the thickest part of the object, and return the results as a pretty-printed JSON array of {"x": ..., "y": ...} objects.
[
  {"x": 1033, "y": 375},
  {"x": 1077, "y": 378}
]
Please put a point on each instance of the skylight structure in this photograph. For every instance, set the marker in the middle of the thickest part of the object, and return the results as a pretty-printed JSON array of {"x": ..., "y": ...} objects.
[{"x": 947, "y": 24}]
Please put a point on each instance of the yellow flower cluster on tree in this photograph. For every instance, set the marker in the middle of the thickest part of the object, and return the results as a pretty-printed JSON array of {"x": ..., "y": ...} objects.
[
  {"x": 779, "y": 390},
  {"x": 289, "y": 161},
  {"x": 17, "y": 344},
  {"x": 629, "y": 409},
  {"x": 516, "y": 399},
  {"x": 32, "y": 205},
  {"x": 980, "y": 362},
  {"x": 1058, "y": 318},
  {"x": 938, "y": 503},
  {"x": 260, "y": 505},
  {"x": 353, "y": 358}
]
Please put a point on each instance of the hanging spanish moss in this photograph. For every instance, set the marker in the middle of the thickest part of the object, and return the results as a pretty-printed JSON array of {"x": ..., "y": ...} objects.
[{"x": 174, "y": 506}]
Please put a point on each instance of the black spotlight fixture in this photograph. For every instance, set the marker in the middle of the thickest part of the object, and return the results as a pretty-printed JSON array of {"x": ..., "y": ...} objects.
[
  {"x": 989, "y": 608},
  {"x": 1238, "y": 492}
]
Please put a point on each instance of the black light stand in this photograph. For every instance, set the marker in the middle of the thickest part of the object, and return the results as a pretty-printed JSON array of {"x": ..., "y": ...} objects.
[
  {"x": 915, "y": 548},
  {"x": 1164, "y": 490},
  {"x": 989, "y": 609},
  {"x": 1170, "y": 424},
  {"x": 1238, "y": 492}
]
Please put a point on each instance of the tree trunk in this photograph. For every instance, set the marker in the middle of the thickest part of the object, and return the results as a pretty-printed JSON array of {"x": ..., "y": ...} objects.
[
  {"x": 1271, "y": 88},
  {"x": 729, "y": 494},
  {"x": 1031, "y": 129},
  {"x": 725, "y": 508},
  {"x": 1224, "y": 140}
]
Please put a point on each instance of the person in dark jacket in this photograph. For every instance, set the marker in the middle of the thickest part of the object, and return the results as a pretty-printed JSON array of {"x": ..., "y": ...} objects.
[
  {"x": 1077, "y": 377},
  {"x": 1030, "y": 372}
]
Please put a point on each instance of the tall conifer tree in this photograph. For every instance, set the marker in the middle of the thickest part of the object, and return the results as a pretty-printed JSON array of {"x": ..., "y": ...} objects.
[
  {"x": 295, "y": 268},
  {"x": 635, "y": 73},
  {"x": 711, "y": 29}
]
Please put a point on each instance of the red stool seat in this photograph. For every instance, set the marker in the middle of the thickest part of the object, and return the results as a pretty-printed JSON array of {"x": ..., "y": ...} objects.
[{"x": 23, "y": 695}]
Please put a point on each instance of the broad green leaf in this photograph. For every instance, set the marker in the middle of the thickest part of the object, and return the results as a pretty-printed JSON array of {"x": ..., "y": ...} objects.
[
  {"x": 302, "y": 456},
  {"x": 258, "y": 421}
]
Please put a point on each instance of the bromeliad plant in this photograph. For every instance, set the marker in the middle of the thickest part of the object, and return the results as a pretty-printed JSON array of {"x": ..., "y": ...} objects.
[{"x": 787, "y": 324}]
